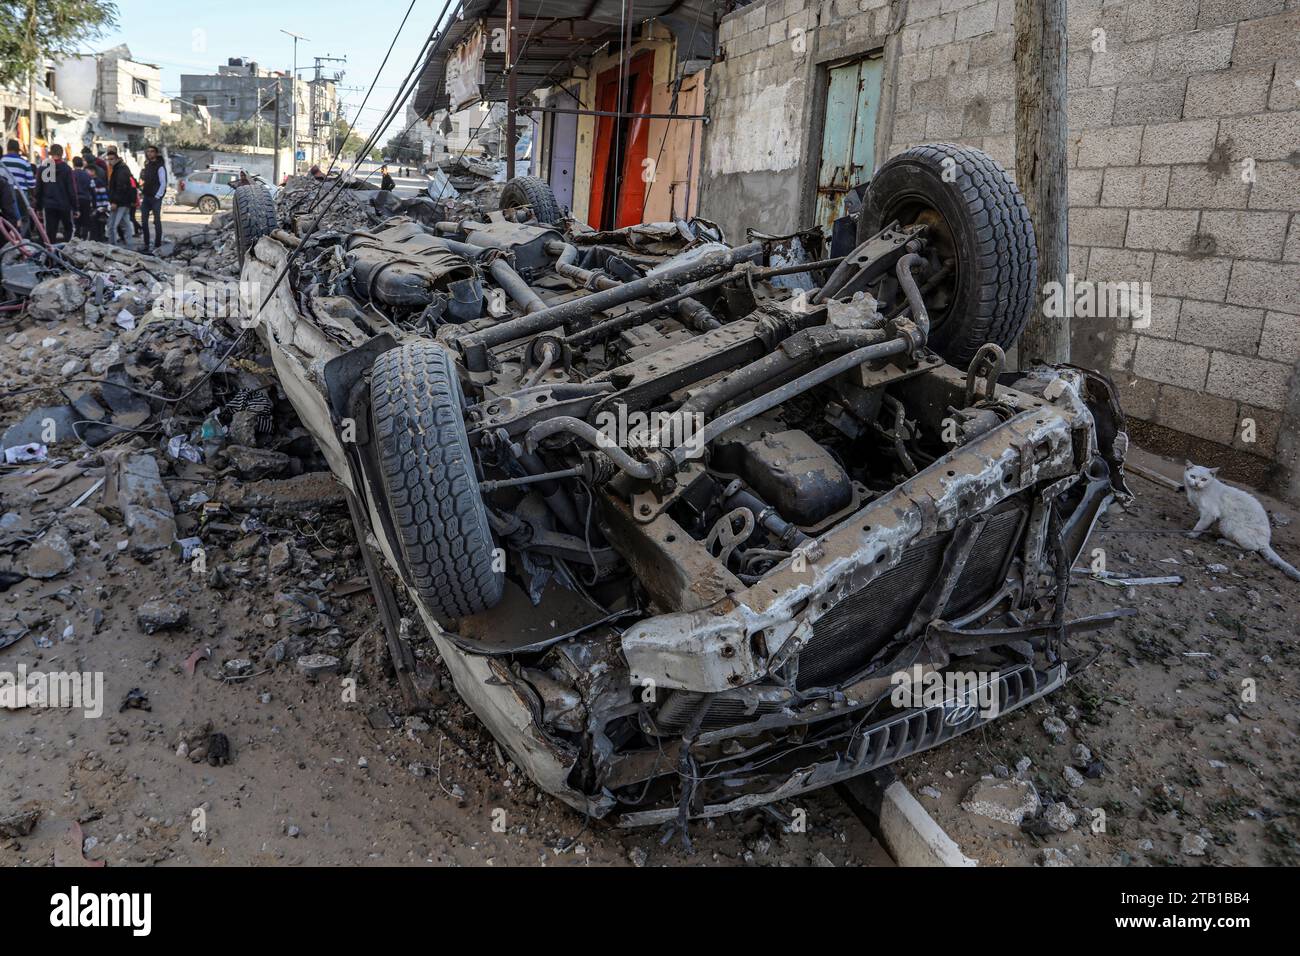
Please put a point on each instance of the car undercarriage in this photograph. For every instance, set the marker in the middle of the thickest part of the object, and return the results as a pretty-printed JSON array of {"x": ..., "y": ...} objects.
[{"x": 692, "y": 524}]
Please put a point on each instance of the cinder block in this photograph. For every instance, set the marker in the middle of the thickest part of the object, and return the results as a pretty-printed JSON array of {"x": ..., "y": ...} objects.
[
  {"x": 991, "y": 49},
  {"x": 938, "y": 31},
  {"x": 1285, "y": 94},
  {"x": 1110, "y": 264},
  {"x": 976, "y": 20},
  {"x": 1091, "y": 107},
  {"x": 1077, "y": 261},
  {"x": 1116, "y": 146},
  {"x": 1267, "y": 424},
  {"x": 1194, "y": 412},
  {"x": 1139, "y": 397},
  {"x": 1098, "y": 227},
  {"x": 1190, "y": 141},
  {"x": 1122, "y": 62},
  {"x": 1084, "y": 188},
  {"x": 1246, "y": 235},
  {"x": 1198, "y": 52},
  {"x": 1279, "y": 340},
  {"x": 1171, "y": 363},
  {"x": 1165, "y": 311},
  {"x": 1137, "y": 186},
  {"x": 1227, "y": 93},
  {"x": 1267, "y": 39},
  {"x": 1250, "y": 380},
  {"x": 1263, "y": 136},
  {"x": 1291, "y": 253},
  {"x": 1217, "y": 12},
  {"x": 955, "y": 58},
  {"x": 910, "y": 125},
  {"x": 1269, "y": 285},
  {"x": 943, "y": 123},
  {"x": 1195, "y": 276},
  {"x": 1144, "y": 19},
  {"x": 1220, "y": 326},
  {"x": 1198, "y": 187},
  {"x": 1168, "y": 230},
  {"x": 1160, "y": 102}
]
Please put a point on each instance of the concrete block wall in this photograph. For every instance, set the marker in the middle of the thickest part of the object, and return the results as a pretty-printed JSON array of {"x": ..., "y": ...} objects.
[{"x": 1184, "y": 160}]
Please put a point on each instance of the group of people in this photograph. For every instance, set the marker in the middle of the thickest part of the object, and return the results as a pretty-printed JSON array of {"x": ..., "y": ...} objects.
[{"x": 93, "y": 197}]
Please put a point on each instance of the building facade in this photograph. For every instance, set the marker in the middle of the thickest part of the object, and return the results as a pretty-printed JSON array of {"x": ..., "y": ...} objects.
[
  {"x": 1184, "y": 173},
  {"x": 243, "y": 91}
]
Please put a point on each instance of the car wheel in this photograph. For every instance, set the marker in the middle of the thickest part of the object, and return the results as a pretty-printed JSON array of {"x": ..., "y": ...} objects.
[
  {"x": 979, "y": 228},
  {"x": 430, "y": 482},
  {"x": 531, "y": 191},
  {"x": 208, "y": 205},
  {"x": 254, "y": 217}
]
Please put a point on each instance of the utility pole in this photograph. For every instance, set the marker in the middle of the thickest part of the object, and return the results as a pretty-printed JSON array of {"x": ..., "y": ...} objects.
[
  {"x": 293, "y": 103},
  {"x": 512, "y": 99},
  {"x": 31, "y": 78},
  {"x": 1041, "y": 165},
  {"x": 315, "y": 86},
  {"x": 279, "y": 90}
]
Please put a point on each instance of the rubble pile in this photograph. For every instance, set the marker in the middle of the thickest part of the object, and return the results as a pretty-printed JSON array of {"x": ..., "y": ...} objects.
[{"x": 347, "y": 210}]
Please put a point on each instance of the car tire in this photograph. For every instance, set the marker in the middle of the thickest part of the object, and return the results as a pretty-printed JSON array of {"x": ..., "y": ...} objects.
[
  {"x": 254, "y": 217},
  {"x": 979, "y": 219},
  {"x": 208, "y": 205},
  {"x": 430, "y": 482},
  {"x": 531, "y": 191}
]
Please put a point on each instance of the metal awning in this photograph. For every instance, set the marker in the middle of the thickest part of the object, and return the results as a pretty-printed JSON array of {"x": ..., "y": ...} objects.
[{"x": 555, "y": 35}]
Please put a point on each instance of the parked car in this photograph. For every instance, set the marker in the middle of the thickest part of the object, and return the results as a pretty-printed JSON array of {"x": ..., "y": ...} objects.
[
  {"x": 690, "y": 541},
  {"x": 211, "y": 189}
]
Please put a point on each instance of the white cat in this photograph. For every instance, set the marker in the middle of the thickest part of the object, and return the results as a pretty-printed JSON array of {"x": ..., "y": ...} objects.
[{"x": 1242, "y": 520}]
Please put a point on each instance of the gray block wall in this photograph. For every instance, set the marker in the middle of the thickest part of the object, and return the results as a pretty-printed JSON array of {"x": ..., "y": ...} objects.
[{"x": 1184, "y": 159}]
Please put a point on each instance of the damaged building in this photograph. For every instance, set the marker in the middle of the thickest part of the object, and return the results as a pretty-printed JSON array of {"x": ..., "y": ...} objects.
[{"x": 1184, "y": 126}]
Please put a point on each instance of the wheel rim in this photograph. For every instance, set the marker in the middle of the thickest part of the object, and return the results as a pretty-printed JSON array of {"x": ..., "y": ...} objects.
[
  {"x": 207, "y": 205},
  {"x": 941, "y": 250}
]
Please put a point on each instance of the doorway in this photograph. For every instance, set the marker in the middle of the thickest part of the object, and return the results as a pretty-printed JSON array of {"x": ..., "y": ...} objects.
[
  {"x": 621, "y": 145},
  {"x": 848, "y": 133}
]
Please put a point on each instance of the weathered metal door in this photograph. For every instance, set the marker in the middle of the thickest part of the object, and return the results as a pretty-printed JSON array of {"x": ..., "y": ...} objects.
[
  {"x": 849, "y": 134},
  {"x": 564, "y": 148}
]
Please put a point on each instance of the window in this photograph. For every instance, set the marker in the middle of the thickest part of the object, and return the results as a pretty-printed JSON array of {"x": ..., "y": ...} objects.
[
  {"x": 139, "y": 87},
  {"x": 200, "y": 99},
  {"x": 49, "y": 81},
  {"x": 201, "y": 178}
]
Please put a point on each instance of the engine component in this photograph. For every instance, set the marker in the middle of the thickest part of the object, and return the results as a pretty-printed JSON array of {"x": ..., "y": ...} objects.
[{"x": 792, "y": 472}]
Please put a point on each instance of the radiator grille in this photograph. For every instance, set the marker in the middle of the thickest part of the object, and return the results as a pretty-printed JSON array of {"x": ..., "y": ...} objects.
[{"x": 852, "y": 632}]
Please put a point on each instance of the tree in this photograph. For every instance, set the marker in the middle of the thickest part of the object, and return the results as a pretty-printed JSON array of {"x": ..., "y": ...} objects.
[
  {"x": 404, "y": 147},
  {"x": 352, "y": 141},
  {"x": 31, "y": 30}
]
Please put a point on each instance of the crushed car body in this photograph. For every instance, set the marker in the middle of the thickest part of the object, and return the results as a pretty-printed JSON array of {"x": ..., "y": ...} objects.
[{"x": 689, "y": 521}]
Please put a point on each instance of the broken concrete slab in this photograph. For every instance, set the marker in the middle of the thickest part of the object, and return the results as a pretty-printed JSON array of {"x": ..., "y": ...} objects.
[
  {"x": 1006, "y": 801},
  {"x": 54, "y": 299},
  {"x": 255, "y": 464},
  {"x": 134, "y": 488}
]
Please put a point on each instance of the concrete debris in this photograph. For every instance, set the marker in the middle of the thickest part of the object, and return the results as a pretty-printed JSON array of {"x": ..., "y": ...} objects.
[
  {"x": 1051, "y": 856},
  {"x": 1072, "y": 777},
  {"x": 159, "y": 615},
  {"x": 54, "y": 298},
  {"x": 51, "y": 556},
  {"x": 134, "y": 489},
  {"x": 1060, "y": 817},
  {"x": 1006, "y": 801},
  {"x": 1193, "y": 844},
  {"x": 314, "y": 666}
]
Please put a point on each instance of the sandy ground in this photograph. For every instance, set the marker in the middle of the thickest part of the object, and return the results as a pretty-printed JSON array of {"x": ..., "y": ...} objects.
[
  {"x": 1192, "y": 708},
  {"x": 316, "y": 776}
]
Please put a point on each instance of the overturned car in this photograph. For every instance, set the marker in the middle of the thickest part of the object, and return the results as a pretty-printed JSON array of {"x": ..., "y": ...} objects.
[{"x": 691, "y": 524}]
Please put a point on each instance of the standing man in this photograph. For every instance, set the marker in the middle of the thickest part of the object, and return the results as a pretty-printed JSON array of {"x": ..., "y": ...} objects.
[
  {"x": 153, "y": 181},
  {"x": 121, "y": 197},
  {"x": 386, "y": 181},
  {"x": 8, "y": 198},
  {"x": 81, "y": 179},
  {"x": 56, "y": 195},
  {"x": 24, "y": 179}
]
